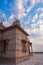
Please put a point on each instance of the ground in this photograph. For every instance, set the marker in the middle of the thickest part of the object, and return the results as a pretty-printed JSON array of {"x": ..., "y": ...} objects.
[{"x": 35, "y": 59}]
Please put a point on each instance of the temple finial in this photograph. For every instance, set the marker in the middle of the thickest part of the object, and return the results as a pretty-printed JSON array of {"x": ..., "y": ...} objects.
[{"x": 16, "y": 22}]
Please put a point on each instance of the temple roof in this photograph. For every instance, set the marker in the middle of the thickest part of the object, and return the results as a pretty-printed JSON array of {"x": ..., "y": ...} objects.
[{"x": 16, "y": 24}]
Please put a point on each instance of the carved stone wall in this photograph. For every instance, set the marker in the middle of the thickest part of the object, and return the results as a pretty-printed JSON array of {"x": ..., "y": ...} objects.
[{"x": 19, "y": 46}]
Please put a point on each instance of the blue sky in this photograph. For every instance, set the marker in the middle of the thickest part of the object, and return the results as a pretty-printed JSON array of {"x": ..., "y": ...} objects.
[{"x": 30, "y": 13}]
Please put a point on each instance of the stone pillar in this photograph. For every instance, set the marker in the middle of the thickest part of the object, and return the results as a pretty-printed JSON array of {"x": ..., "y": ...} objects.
[
  {"x": 31, "y": 49},
  {"x": 28, "y": 48}
]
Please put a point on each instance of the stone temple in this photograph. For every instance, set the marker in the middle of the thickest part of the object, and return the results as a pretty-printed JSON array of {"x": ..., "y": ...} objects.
[{"x": 15, "y": 46}]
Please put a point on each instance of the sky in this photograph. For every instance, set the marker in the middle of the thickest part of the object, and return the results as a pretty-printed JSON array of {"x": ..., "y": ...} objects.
[{"x": 30, "y": 14}]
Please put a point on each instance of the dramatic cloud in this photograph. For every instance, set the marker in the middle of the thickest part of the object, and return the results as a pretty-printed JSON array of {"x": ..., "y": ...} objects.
[{"x": 30, "y": 13}]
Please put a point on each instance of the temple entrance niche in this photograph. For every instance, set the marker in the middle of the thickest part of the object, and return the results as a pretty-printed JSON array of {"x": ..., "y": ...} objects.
[
  {"x": 24, "y": 48},
  {"x": 30, "y": 48},
  {"x": 3, "y": 46}
]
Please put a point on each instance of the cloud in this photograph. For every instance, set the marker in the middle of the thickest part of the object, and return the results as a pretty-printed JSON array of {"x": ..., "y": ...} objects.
[
  {"x": 2, "y": 15},
  {"x": 37, "y": 1},
  {"x": 41, "y": 25},
  {"x": 31, "y": 5},
  {"x": 36, "y": 33},
  {"x": 39, "y": 9},
  {"x": 5, "y": 21},
  {"x": 37, "y": 41},
  {"x": 9, "y": 21},
  {"x": 41, "y": 15},
  {"x": 26, "y": 22},
  {"x": 21, "y": 10},
  {"x": 33, "y": 2},
  {"x": 12, "y": 16},
  {"x": 38, "y": 30},
  {"x": 35, "y": 18}
]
